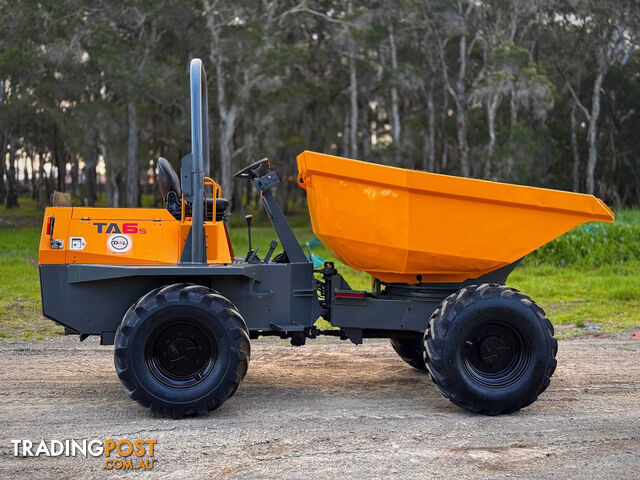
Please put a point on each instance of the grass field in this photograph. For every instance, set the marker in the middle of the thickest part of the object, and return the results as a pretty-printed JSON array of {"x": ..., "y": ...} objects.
[{"x": 588, "y": 277}]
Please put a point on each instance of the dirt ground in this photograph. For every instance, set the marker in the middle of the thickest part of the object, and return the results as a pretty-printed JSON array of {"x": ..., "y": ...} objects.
[{"x": 328, "y": 410}]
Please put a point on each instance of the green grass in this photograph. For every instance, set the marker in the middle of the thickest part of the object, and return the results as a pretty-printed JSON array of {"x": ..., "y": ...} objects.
[
  {"x": 575, "y": 297},
  {"x": 28, "y": 209},
  {"x": 20, "y": 310},
  {"x": 591, "y": 276}
]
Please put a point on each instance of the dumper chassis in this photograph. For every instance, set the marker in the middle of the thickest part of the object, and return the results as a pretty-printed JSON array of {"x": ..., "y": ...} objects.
[{"x": 182, "y": 330}]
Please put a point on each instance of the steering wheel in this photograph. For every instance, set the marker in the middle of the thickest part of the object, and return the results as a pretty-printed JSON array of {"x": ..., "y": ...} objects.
[{"x": 255, "y": 170}]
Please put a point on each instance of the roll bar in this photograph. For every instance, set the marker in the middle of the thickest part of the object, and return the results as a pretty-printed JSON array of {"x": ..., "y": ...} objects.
[{"x": 200, "y": 157}]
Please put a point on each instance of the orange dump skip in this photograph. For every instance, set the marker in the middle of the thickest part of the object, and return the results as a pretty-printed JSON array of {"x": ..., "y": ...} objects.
[{"x": 396, "y": 224}]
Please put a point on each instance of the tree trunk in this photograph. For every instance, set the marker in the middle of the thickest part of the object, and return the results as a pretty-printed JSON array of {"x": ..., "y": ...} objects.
[
  {"x": 132, "y": 188},
  {"x": 444, "y": 158},
  {"x": 353, "y": 95},
  {"x": 42, "y": 182},
  {"x": 34, "y": 184},
  {"x": 158, "y": 201},
  {"x": 395, "y": 111},
  {"x": 12, "y": 192},
  {"x": 431, "y": 135},
  {"x": 113, "y": 189},
  {"x": 461, "y": 110},
  {"x": 345, "y": 137},
  {"x": 592, "y": 134},
  {"x": 51, "y": 183},
  {"x": 3, "y": 163},
  {"x": 61, "y": 166},
  {"x": 75, "y": 176},
  {"x": 112, "y": 173},
  {"x": 228, "y": 115},
  {"x": 574, "y": 149},
  {"x": 353, "y": 91},
  {"x": 3, "y": 152},
  {"x": 25, "y": 171},
  {"x": 90, "y": 163},
  {"x": 492, "y": 107},
  {"x": 513, "y": 107},
  {"x": 614, "y": 150},
  {"x": 463, "y": 146},
  {"x": 366, "y": 133},
  {"x": 227, "y": 130}
]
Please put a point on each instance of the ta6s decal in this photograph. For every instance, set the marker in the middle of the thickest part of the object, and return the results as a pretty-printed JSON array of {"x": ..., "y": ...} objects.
[{"x": 131, "y": 227}]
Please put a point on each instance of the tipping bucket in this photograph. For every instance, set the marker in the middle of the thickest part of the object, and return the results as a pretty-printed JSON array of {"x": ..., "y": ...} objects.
[{"x": 397, "y": 224}]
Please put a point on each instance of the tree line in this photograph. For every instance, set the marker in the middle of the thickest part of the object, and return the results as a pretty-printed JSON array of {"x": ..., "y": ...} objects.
[{"x": 539, "y": 92}]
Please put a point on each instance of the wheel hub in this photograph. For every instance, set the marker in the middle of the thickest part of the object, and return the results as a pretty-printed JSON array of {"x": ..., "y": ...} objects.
[
  {"x": 181, "y": 355},
  {"x": 495, "y": 354}
]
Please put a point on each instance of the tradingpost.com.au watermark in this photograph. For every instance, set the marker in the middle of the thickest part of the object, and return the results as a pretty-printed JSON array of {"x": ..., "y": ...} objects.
[{"x": 120, "y": 454}]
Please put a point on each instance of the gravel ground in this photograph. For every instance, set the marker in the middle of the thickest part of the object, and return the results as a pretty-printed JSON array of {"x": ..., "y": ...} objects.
[{"x": 328, "y": 410}]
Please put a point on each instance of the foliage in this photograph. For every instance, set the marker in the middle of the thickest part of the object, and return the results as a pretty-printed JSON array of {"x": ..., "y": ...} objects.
[
  {"x": 94, "y": 93},
  {"x": 594, "y": 244}
]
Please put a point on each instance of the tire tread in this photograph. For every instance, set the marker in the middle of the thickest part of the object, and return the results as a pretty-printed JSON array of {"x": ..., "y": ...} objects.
[
  {"x": 161, "y": 297},
  {"x": 445, "y": 316}
]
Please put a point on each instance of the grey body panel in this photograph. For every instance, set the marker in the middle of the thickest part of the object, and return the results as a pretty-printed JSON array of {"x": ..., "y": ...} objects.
[
  {"x": 400, "y": 310},
  {"x": 386, "y": 312},
  {"x": 276, "y": 298},
  {"x": 92, "y": 299}
]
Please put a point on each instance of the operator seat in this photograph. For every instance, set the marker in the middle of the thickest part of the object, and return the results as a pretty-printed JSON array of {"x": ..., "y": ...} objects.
[{"x": 170, "y": 187}]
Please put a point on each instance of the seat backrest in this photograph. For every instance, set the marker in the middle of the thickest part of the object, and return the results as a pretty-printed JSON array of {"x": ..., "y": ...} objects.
[{"x": 168, "y": 178}]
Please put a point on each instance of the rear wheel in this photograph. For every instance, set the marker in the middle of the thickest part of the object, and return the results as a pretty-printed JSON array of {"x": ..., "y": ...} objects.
[
  {"x": 411, "y": 350},
  {"x": 490, "y": 349},
  {"x": 181, "y": 350}
]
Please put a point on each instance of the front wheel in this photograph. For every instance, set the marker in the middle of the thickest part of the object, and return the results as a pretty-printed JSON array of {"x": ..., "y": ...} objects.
[
  {"x": 182, "y": 350},
  {"x": 490, "y": 349}
]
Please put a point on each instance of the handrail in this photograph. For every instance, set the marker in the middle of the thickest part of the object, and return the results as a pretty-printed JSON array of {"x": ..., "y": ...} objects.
[
  {"x": 215, "y": 192},
  {"x": 210, "y": 182}
]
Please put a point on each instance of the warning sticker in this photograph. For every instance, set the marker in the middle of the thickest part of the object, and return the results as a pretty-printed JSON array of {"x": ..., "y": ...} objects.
[{"x": 119, "y": 243}]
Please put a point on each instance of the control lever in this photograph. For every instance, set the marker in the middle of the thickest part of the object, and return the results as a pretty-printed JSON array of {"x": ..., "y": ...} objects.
[
  {"x": 249, "y": 219},
  {"x": 272, "y": 247},
  {"x": 252, "y": 256}
]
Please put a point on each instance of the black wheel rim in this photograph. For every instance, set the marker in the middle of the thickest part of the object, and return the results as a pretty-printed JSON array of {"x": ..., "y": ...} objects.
[
  {"x": 181, "y": 354},
  {"x": 495, "y": 353}
]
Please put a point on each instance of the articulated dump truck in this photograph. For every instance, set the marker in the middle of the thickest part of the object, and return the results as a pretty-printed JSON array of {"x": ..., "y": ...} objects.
[{"x": 165, "y": 287}]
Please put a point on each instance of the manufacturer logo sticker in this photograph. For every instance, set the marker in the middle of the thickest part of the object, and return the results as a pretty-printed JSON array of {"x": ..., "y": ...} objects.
[
  {"x": 119, "y": 243},
  {"x": 77, "y": 243}
]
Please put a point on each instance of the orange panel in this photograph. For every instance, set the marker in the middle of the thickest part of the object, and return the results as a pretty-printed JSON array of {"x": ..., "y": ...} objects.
[
  {"x": 218, "y": 250},
  {"x": 396, "y": 224},
  {"x": 124, "y": 236},
  {"x": 146, "y": 236},
  {"x": 62, "y": 216}
]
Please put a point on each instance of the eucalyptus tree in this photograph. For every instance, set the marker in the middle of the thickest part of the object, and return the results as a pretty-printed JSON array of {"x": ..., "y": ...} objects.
[
  {"x": 457, "y": 24},
  {"x": 604, "y": 34},
  {"x": 240, "y": 36},
  {"x": 133, "y": 46}
]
